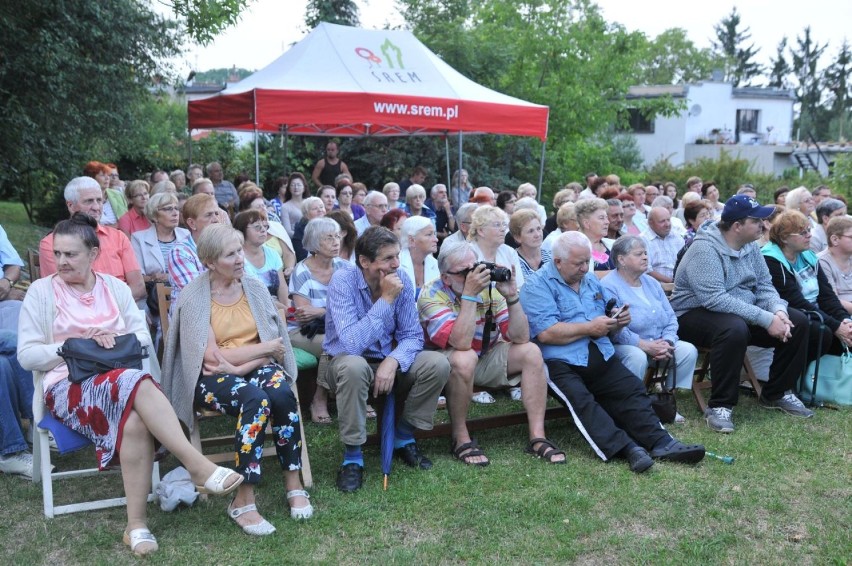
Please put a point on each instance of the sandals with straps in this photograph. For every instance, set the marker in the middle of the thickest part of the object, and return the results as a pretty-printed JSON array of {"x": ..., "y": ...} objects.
[
  {"x": 262, "y": 528},
  {"x": 305, "y": 512},
  {"x": 468, "y": 450},
  {"x": 140, "y": 536},
  {"x": 546, "y": 450}
]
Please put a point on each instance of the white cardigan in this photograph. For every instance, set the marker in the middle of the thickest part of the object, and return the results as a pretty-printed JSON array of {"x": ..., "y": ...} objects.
[
  {"x": 36, "y": 347},
  {"x": 147, "y": 249}
]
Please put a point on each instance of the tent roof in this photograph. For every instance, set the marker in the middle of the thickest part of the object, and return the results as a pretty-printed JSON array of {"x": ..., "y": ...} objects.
[{"x": 347, "y": 81}]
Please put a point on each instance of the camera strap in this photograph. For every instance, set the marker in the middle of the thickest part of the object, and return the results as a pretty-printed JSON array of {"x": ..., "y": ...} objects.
[{"x": 489, "y": 325}]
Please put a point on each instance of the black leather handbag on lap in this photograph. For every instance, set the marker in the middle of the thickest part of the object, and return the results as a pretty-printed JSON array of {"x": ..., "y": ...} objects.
[{"x": 85, "y": 358}]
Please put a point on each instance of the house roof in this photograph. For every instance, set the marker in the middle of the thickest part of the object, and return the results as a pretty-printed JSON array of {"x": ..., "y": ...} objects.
[
  {"x": 762, "y": 92},
  {"x": 656, "y": 91}
]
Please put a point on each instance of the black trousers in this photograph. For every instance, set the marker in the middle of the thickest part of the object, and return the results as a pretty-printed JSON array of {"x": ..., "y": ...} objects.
[
  {"x": 609, "y": 401},
  {"x": 728, "y": 336}
]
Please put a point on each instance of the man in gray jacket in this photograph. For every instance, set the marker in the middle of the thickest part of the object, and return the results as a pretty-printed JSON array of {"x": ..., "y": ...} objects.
[{"x": 724, "y": 300}]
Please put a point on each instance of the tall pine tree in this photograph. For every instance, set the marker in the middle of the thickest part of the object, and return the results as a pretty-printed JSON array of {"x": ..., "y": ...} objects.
[
  {"x": 741, "y": 67},
  {"x": 809, "y": 89}
]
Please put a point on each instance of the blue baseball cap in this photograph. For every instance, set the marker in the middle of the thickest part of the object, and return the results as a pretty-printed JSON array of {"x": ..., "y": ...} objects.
[{"x": 742, "y": 206}]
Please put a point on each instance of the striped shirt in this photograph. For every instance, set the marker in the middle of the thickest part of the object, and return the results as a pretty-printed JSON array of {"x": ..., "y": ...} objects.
[
  {"x": 302, "y": 283},
  {"x": 439, "y": 307},
  {"x": 184, "y": 266},
  {"x": 662, "y": 252}
]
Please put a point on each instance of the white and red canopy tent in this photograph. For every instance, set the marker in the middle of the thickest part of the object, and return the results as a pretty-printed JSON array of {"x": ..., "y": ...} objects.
[{"x": 351, "y": 82}]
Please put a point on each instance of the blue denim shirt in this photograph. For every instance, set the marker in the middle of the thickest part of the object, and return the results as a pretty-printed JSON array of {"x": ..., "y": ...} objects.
[{"x": 548, "y": 300}]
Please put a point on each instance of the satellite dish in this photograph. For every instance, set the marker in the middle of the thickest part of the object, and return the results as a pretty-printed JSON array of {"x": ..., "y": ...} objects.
[{"x": 695, "y": 110}]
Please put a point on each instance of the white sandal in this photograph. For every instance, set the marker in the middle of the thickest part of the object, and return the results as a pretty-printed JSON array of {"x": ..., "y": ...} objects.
[
  {"x": 261, "y": 529},
  {"x": 140, "y": 536},
  {"x": 215, "y": 484},
  {"x": 305, "y": 512}
]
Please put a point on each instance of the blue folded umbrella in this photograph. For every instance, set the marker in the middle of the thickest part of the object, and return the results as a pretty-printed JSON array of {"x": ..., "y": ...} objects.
[{"x": 388, "y": 433}]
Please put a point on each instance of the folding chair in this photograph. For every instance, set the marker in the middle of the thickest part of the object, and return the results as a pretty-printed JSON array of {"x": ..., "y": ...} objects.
[
  {"x": 164, "y": 301},
  {"x": 67, "y": 441},
  {"x": 34, "y": 266},
  {"x": 701, "y": 378}
]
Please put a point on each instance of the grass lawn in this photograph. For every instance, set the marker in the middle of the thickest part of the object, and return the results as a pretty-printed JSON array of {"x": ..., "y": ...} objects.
[
  {"x": 21, "y": 232},
  {"x": 786, "y": 500}
]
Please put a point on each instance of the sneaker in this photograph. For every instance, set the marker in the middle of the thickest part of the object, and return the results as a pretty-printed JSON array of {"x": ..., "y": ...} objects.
[
  {"x": 679, "y": 419},
  {"x": 18, "y": 464},
  {"x": 515, "y": 393},
  {"x": 483, "y": 398},
  {"x": 719, "y": 419},
  {"x": 51, "y": 441},
  {"x": 789, "y": 404}
]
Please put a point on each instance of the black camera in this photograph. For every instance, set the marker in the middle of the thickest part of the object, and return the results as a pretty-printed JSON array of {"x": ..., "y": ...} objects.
[{"x": 498, "y": 274}]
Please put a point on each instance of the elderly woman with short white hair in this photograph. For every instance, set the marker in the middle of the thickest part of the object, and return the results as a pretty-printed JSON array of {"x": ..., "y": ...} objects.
[
  {"x": 528, "y": 190},
  {"x": 594, "y": 223},
  {"x": 419, "y": 241},
  {"x": 415, "y": 197},
  {"x": 308, "y": 290},
  {"x": 651, "y": 336},
  {"x": 488, "y": 230},
  {"x": 312, "y": 207},
  {"x": 802, "y": 200},
  {"x": 153, "y": 245}
]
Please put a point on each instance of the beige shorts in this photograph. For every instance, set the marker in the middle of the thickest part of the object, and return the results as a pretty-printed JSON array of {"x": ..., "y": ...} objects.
[{"x": 492, "y": 367}]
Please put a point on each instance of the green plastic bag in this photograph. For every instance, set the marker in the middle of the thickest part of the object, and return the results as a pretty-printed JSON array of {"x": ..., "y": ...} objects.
[
  {"x": 304, "y": 360},
  {"x": 834, "y": 384}
]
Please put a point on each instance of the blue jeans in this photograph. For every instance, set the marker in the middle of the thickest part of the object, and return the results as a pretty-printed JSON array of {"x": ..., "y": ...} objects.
[{"x": 11, "y": 437}]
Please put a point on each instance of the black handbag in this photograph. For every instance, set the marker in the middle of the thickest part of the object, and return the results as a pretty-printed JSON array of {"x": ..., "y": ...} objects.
[
  {"x": 85, "y": 358},
  {"x": 663, "y": 399}
]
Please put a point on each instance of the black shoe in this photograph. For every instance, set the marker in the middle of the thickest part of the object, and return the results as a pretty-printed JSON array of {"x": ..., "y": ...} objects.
[
  {"x": 639, "y": 459},
  {"x": 677, "y": 451},
  {"x": 413, "y": 457},
  {"x": 350, "y": 478}
]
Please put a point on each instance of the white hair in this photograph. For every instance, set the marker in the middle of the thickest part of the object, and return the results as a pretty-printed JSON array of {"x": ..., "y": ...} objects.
[
  {"x": 567, "y": 240},
  {"x": 77, "y": 184},
  {"x": 410, "y": 227},
  {"x": 528, "y": 203}
]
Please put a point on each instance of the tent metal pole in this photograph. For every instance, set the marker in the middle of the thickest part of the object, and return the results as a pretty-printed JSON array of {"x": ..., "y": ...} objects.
[
  {"x": 189, "y": 139},
  {"x": 256, "y": 159},
  {"x": 460, "y": 156},
  {"x": 286, "y": 143},
  {"x": 447, "y": 152},
  {"x": 541, "y": 172}
]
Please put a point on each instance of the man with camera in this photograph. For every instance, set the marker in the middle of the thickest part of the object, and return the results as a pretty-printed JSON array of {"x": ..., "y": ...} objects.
[
  {"x": 568, "y": 317},
  {"x": 485, "y": 336}
]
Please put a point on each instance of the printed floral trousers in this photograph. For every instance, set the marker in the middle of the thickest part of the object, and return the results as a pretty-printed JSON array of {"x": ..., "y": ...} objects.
[{"x": 260, "y": 397}]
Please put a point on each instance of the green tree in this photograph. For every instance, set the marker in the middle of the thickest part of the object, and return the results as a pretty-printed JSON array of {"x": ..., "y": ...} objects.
[
  {"x": 730, "y": 40},
  {"x": 220, "y": 76},
  {"x": 836, "y": 81},
  {"x": 203, "y": 20},
  {"x": 560, "y": 53},
  {"x": 809, "y": 88},
  {"x": 343, "y": 12},
  {"x": 69, "y": 83},
  {"x": 672, "y": 58},
  {"x": 779, "y": 68}
]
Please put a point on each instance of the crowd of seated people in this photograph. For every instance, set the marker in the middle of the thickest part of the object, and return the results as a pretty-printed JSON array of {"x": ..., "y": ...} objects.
[{"x": 391, "y": 297}]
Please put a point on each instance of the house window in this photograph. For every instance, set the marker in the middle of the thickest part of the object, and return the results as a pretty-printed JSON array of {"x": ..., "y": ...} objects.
[
  {"x": 636, "y": 122},
  {"x": 747, "y": 121}
]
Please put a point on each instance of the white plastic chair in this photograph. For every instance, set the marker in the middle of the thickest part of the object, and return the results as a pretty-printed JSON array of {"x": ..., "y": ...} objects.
[{"x": 42, "y": 469}]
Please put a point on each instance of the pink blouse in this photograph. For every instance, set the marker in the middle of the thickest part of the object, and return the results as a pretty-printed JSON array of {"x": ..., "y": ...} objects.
[{"x": 76, "y": 313}]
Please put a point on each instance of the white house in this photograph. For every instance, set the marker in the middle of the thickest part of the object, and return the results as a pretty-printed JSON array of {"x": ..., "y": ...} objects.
[{"x": 753, "y": 123}]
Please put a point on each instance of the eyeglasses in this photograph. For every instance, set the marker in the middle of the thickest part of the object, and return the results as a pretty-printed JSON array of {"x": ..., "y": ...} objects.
[
  {"x": 168, "y": 209},
  {"x": 332, "y": 238},
  {"x": 139, "y": 195},
  {"x": 499, "y": 225},
  {"x": 379, "y": 206},
  {"x": 804, "y": 233},
  {"x": 260, "y": 227}
]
